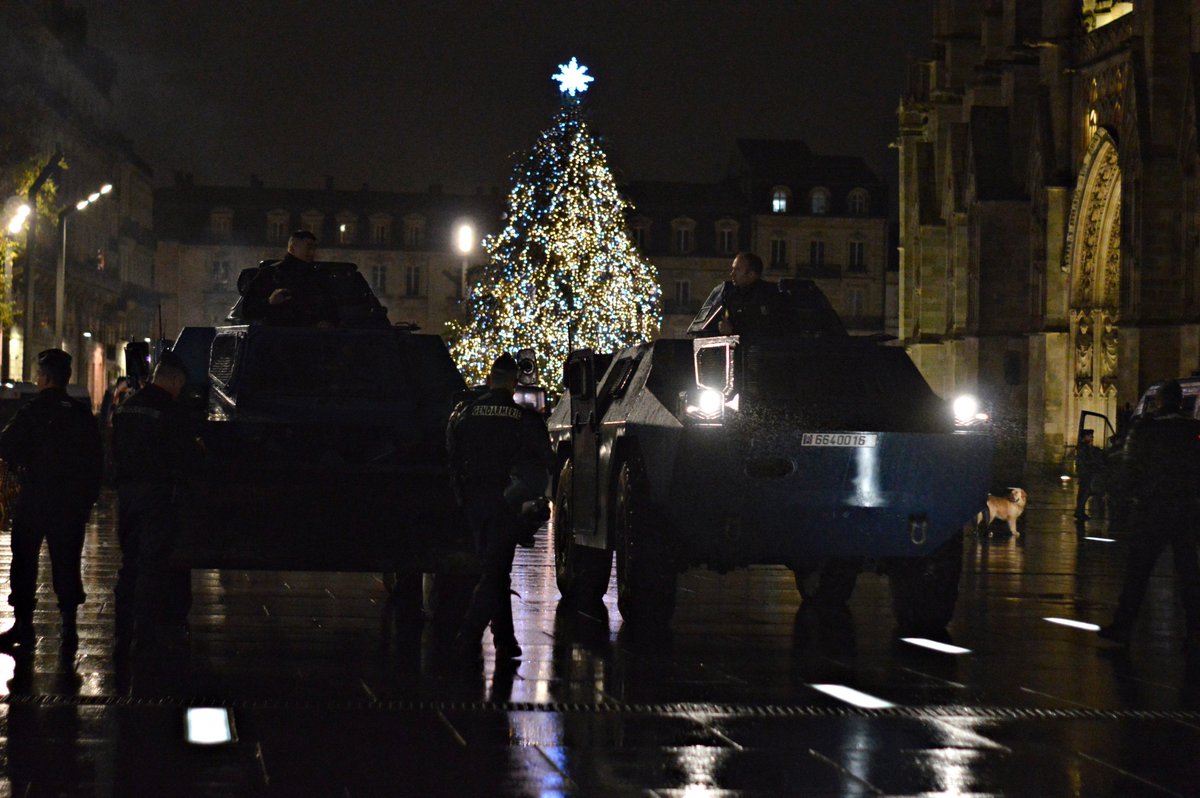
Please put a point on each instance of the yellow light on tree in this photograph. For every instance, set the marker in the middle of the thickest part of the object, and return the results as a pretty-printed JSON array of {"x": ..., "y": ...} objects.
[{"x": 563, "y": 273}]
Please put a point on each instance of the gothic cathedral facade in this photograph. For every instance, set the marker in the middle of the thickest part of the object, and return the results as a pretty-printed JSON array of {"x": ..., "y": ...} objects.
[{"x": 1050, "y": 208}]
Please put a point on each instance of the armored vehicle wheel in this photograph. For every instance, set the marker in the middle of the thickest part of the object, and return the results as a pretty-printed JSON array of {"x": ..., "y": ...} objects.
[
  {"x": 646, "y": 573},
  {"x": 925, "y": 590},
  {"x": 580, "y": 571},
  {"x": 830, "y": 585}
]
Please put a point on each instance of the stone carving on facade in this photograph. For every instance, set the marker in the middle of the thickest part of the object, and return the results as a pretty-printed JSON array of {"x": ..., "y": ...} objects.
[
  {"x": 1084, "y": 334},
  {"x": 1107, "y": 40},
  {"x": 1108, "y": 354},
  {"x": 1110, "y": 286}
]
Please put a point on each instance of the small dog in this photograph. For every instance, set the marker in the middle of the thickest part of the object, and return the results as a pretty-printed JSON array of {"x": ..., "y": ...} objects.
[{"x": 1006, "y": 508}]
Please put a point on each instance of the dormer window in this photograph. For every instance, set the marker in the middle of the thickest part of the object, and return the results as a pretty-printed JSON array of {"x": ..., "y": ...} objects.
[
  {"x": 381, "y": 229},
  {"x": 858, "y": 201},
  {"x": 727, "y": 235},
  {"x": 639, "y": 231},
  {"x": 313, "y": 222},
  {"x": 347, "y": 224},
  {"x": 819, "y": 201},
  {"x": 414, "y": 231},
  {"x": 220, "y": 223},
  {"x": 683, "y": 236},
  {"x": 277, "y": 226},
  {"x": 781, "y": 199}
]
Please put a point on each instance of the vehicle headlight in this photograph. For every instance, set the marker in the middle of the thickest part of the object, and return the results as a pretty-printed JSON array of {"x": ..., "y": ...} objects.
[
  {"x": 710, "y": 402},
  {"x": 967, "y": 411}
]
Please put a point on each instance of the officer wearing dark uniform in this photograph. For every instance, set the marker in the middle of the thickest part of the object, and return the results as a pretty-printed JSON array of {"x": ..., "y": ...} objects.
[
  {"x": 744, "y": 305},
  {"x": 490, "y": 440},
  {"x": 53, "y": 444},
  {"x": 1089, "y": 468},
  {"x": 292, "y": 292},
  {"x": 152, "y": 449},
  {"x": 1164, "y": 470}
]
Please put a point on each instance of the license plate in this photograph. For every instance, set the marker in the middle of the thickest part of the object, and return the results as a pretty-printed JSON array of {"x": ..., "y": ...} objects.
[{"x": 851, "y": 439}]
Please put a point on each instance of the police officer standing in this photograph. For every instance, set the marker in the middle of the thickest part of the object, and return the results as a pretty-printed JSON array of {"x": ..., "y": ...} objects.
[
  {"x": 1089, "y": 467},
  {"x": 53, "y": 444},
  {"x": 152, "y": 450},
  {"x": 745, "y": 304},
  {"x": 490, "y": 439},
  {"x": 292, "y": 292},
  {"x": 1164, "y": 470}
]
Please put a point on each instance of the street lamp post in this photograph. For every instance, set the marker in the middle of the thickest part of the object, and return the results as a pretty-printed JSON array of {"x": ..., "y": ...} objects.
[
  {"x": 464, "y": 241},
  {"x": 15, "y": 224},
  {"x": 31, "y": 260},
  {"x": 60, "y": 277}
]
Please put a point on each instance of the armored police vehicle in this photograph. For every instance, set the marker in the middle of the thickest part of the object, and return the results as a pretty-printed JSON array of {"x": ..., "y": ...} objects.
[
  {"x": 325, "y": 447},
  {"x": 811, "y": 449}
]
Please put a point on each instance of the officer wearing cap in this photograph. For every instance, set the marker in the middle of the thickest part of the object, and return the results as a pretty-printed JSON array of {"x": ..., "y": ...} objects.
[
  {"x": 491, "y": 440},
  {"x": 152, "y": 450},
  {"x": 53, "y": 445}
]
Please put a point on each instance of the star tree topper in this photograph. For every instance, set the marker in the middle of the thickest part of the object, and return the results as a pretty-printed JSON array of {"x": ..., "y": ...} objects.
[{"x": 572, "y": 77}]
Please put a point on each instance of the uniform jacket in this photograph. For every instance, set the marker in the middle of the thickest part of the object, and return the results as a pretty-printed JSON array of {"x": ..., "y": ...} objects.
[
  {"x": 491, "y": 435},
  {"x": 311, "y": 301},
  {"x": 53, "y": 442},
  {"x": 1164, "y": 458},
  {"x": 754, "y": 310},
  {"x": 152, "y": 440}
]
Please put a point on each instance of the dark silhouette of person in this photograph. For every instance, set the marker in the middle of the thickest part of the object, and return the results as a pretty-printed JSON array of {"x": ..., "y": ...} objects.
[
  {"x": 489, "y": 439},
  {"x": 746, "y": 304},
  {"x": 1163, "y": 454},
  {"x": 153, "y": 449},
  {"x": 53, "y": 444},
  {"x": 1089, "y": 468},
  {"x": 292, "y": 292}
]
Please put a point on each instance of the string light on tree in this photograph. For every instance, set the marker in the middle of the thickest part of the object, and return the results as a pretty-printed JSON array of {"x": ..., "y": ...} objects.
[{"x": 563, "y": 273}]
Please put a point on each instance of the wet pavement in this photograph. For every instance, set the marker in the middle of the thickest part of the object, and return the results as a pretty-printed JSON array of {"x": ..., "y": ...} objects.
[{"x": 329, "y": 692}]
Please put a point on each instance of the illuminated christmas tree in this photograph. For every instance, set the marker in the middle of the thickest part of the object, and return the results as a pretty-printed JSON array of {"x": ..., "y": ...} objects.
[{"x": 563, "y": 273}]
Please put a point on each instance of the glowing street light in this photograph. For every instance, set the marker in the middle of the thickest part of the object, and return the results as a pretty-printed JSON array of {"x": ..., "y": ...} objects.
[
  {"x": 464, "y": 241},
  {"x": 17, "y": 222},
  {"x": 60, "y": 277}
]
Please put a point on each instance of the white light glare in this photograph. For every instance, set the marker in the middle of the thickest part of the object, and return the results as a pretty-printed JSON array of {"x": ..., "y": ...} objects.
[
  {"x": 934, "y": 645},
  {"x": 209, "y": 726},
  {"x": 87, "y": 335},
  {"x": 147, "y": 340},
  {"x": 572, "y": 77},
  {"x": 1102, "y": 540},
  {"x": 711, "y": 401},
  {"x": 107, "y": 187},
  {"x": 95, "y": 195},
  {"x": 965, "y": 407},
  {"x": 851, "y": 696},
  {"x": 81, "y": 205},
  {"x": 465, "y": 239},
  {"x": 1091, "y": 627},
  {"x": 1065, "y": 477}
]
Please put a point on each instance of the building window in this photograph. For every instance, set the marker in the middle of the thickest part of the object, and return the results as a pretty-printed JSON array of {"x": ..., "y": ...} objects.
[
  {"x": 820, "y": 201},
  {"x": 346, "y": 232},
  {"x": 313, "y": 222},
  {"x": 683, "y": 236},
  {"x": 779, "y": 258},
  {"x": 221, "y": 223},
  {"x": 816, "y": 254},
  {"x": 727, "y": 231},
  {"x": 277, "y": 227},
  {"x": 639, "y": 237},
  {"x": 381, "y": 230},
  {"x": 379, "y": 280},
  {"x": 414, "y": 232},
  {"x": 683, "y": 293},
  {"x": 780, "y": 199},
  {"x": 858, "y": 201},
  {"x": 412, "y": 280},
  {"x": 856, "y": 258},
  {"x": 855, "y": 302},
  {"x": 221, "y": 272}
]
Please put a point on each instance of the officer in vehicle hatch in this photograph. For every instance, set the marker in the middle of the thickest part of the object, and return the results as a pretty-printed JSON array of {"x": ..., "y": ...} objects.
[
  {"x": 153, "y": 449},
  {"x": 492, "y": 443},
  {"x": 53, "y": 443},
  {"x": 292, "y": 292},
  {"x": 1163, "y": 454},
  {"x": 747, "y": 304}
]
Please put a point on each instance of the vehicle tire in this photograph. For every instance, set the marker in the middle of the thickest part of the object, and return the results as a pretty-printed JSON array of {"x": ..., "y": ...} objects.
[
  {"x": 646, "y": 571},
  {"x": 581, "y": 571},
  {"x": 925, "y": 589},
  {"x": 831, "y": 585}
]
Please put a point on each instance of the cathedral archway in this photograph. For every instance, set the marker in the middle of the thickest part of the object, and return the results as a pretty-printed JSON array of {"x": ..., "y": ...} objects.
[{"x": 1094, "y": 265}]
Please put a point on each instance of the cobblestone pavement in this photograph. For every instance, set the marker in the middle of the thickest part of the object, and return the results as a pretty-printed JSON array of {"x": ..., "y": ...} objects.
[{"x": 330, "y": 694}]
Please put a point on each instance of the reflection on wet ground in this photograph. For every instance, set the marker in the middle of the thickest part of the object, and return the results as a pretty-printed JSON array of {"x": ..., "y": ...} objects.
[{"x": 330, "y": 692}]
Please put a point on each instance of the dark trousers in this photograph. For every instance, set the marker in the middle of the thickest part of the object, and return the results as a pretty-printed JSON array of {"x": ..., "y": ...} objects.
[
  {"x": 1159, "y": 525},
  {"x": 150, "y": 591},
  {"x": 1083, "y": 494},
  {"x": 493, "y": 523},
  {"x": 63, "y": 533}
]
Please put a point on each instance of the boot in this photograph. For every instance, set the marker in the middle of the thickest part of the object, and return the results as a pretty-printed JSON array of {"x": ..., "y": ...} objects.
[
  {"x": 70, "y": 633},
  {"x": 20, "y": 634}
]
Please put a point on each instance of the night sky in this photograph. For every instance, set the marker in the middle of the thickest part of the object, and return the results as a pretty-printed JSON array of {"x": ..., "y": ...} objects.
[{"x": 401, "y": 95}]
